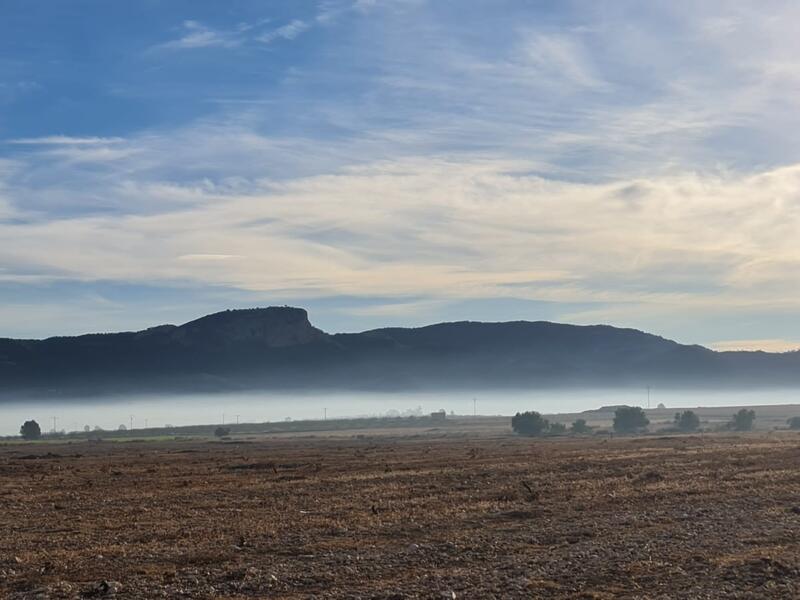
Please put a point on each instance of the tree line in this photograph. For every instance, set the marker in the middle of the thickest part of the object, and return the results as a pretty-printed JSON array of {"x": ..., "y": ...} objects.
[{"x": 631, "y": 419}]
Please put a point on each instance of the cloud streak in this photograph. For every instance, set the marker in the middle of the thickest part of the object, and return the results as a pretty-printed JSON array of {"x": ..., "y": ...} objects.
[
  {"x": 448, "y": 230},
  {"x": 196, "y": 35},
  {"x": 286, "y": 32},
  {"x": 63, "y": 140}
]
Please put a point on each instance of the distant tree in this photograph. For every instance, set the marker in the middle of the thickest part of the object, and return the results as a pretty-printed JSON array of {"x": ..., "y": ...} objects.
[
  {"x": 794, "y": 423},
  {"x": 221, "y": 432},
  {"x": 661, "y": 406},
  {"x": 743, "y": 420},
  {"x": 628, "y": 419},
  {"x": 98, "y": 428},
  {"x": 529, "y": 423},
  {"x": 122, "y": 427},
  {"x": 30, "y": 430},
  {"x": 557, "y": 428},
  {"x": 580, "y": 426},
  {"x": 687, "y": 421},
  {"x": 86, "y": 428}
]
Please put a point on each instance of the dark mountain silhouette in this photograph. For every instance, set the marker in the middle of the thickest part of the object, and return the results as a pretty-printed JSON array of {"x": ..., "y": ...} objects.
[{"x": 277, "y": 348}]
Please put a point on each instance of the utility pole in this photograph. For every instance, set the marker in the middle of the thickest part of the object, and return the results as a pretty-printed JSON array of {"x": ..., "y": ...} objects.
[
  {"x": 54, "y": 424},
  {"x": 131, "y": 421},
  {"x": 237, "y": 419}
]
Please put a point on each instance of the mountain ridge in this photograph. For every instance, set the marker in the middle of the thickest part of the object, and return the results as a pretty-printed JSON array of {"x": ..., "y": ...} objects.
[{"x": 279, "y": 348}]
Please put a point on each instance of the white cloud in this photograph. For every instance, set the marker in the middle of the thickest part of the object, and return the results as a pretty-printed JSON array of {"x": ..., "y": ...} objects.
[
  {"x": 287, "y": 32},
  {"x": 91, "y": 154},
  {"x": 63, "y": 140},
  {"x": 197, "y": 35},
  {"x": 561, "y": 59},
  {"x": 443, "y": 230}
]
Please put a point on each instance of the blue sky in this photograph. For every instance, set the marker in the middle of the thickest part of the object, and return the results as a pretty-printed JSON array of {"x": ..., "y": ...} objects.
[{"x": 400, "y": 162}]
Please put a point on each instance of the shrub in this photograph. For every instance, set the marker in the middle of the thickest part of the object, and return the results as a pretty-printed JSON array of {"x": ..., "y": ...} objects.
[
  {"x": 628, "y": 419},
  {"x": 580, "y": 426},
  {"x": 221, "y": 432},
  {"x": 743, "y": 420},
  {"x": 529, "y": 423},
  {"x": 30, "y": 430},
  {"x": 794, "y": 423},
  {"x": 687, "y": 421},
  {"x": 557, "y": 428}
]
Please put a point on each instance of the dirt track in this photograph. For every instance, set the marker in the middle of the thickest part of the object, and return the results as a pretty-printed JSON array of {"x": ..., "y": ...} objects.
[{"x": 431, "y": 516}]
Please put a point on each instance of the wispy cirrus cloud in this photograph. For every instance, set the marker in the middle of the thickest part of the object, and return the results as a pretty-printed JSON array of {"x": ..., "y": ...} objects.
[
  {"x": 197, "y": 35},
  {"x": 64, "y": 140},
  {"x": 287, "y": 32}
]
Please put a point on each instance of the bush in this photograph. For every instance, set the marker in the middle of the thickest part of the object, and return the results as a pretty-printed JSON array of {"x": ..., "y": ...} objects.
[
  {"x": 529, "y": 423},
  {"x": 628, "y": 419},
  {"x": 687, "y": 421},
  {"x": 794, "y": 423},
  {"x": 557, "y": 428},
  {"x": 30, "y": 430},
  {"x": 221, "y": 432},
  {"x": 580, "y": 426},
  {"x": 743, "y": 420}
]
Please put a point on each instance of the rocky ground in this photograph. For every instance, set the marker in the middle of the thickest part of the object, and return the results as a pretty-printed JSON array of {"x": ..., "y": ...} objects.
[{"x": 432, "y": 515}]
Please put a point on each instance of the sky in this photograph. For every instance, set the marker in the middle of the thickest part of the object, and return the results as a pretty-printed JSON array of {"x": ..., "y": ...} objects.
[{"x": 402, "y": 162}]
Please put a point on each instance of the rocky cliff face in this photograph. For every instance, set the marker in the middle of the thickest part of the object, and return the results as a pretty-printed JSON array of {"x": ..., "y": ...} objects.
[{"x": 273, "y": 327}]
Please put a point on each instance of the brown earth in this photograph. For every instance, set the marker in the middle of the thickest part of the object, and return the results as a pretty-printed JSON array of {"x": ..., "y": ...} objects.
[{"x": 435, "y": 514}]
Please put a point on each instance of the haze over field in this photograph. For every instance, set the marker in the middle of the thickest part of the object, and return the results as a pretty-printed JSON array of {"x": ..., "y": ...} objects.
[
  {"x": 270, "y": 364},
  {"x": 402, "y": 162},
  {"x": 158, "y": 411}
]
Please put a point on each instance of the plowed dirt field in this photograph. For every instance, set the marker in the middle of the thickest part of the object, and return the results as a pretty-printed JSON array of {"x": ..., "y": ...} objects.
[{"x": 432, "y": 515}]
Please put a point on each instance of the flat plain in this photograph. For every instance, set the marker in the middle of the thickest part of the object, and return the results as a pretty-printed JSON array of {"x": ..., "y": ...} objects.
[{"x": 437, "y": 513}]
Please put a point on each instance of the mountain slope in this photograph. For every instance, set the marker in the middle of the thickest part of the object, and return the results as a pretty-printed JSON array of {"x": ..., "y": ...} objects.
[{"x": 278, "y": 348}]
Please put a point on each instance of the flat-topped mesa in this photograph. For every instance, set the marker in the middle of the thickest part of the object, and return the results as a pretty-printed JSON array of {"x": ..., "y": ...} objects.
[
  {"x": 275, "y": 327},
  {"x": 278, "y": 349}
]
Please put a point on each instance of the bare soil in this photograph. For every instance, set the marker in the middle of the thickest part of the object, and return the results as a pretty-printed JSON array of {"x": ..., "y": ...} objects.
[{"x": 431, "y": 514}]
